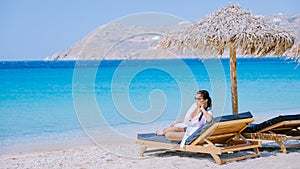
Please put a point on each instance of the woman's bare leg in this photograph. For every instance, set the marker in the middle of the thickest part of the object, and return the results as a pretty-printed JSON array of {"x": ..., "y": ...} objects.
[
  {"x": 169, "y": 129},
  {"x": 175, "y": 136}
]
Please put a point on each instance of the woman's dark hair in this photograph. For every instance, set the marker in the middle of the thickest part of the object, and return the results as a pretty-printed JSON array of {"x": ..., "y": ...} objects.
[{"x": 205, "y": 95}]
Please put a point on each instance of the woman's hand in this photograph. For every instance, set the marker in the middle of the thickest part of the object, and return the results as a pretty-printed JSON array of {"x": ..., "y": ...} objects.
[{"x": 202, "y": 108}]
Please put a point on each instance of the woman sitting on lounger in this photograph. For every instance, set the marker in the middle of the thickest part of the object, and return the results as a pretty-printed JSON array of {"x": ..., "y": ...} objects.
[{"x": 198, "y": 114}]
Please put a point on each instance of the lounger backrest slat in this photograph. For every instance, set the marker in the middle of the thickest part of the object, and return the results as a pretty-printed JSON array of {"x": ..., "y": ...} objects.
[
  {"x": 232, "y": 126},
  {"x": 228, "y": 124},
  {"x": 221, "y": 132}
]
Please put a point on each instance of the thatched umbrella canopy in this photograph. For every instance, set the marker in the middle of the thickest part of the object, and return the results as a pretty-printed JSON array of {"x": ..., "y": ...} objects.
[{"x": 234, "y": 29}]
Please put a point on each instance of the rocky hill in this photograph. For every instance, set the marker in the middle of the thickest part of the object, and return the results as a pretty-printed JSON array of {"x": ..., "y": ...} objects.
[{"x": 121, "y": 41}]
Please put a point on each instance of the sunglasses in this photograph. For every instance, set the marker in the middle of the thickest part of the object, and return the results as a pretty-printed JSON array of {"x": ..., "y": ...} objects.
[{"x": 198, "y": 98}]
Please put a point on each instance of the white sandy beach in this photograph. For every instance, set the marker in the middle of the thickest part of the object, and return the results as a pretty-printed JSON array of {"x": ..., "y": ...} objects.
[
  {"x": 92, "y": 156},
  {"x": 119, "y": 150}
]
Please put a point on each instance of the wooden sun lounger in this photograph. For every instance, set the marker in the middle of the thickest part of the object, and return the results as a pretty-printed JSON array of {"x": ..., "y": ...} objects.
[
  {"x": 221, "y": 136},
  {"x": 279, "y": 129}
]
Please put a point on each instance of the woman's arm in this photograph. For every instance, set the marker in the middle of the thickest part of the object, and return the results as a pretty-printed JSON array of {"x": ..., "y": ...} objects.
[{"x": 208, "y": 116}]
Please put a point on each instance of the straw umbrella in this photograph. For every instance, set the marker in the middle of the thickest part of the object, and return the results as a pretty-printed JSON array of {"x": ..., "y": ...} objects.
[{"x": 234, "y": 29}]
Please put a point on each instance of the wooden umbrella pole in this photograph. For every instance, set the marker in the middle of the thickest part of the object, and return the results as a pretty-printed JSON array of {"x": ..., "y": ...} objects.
[{"x": 233, "y": 80}]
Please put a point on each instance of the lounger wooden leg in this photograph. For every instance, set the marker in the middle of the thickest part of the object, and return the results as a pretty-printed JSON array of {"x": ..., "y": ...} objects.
[
  {"x": 256, "y": 150},
  {"x": 142, "y": 150},
  {"x": 281, "y": 145},
  {"x": 216, "y": 158}
]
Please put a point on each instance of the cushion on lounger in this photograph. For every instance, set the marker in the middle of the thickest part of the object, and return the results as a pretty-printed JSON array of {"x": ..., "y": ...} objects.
[
  {"x": 154, "y": 137},
  {"x": 255, "y": 127}
]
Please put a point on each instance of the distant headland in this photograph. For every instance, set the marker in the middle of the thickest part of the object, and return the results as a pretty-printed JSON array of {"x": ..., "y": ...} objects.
[{"x": 121, "y": 41}]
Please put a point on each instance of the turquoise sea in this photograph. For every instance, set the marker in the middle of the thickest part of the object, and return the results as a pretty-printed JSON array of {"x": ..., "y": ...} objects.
[{"x": 43, "y": 101}]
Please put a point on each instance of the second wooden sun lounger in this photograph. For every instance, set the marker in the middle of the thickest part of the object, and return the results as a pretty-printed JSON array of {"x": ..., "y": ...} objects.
[
  {"x": 221, "y": 136},
  {"x": 280, "y": 129}
]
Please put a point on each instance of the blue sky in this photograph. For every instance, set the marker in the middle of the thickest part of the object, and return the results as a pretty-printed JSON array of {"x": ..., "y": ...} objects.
[{"x": 35, "y": 29}]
